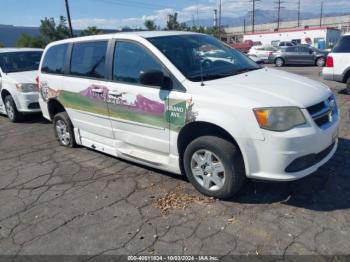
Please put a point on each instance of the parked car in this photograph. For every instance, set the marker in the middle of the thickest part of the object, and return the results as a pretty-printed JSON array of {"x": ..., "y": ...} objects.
[
  {"x": 286, "y": 43},
  {"x": 146, "y": 97},
  {"x": 298, "y": 55},
  {"x": 245, "y": 46},
  {"x": 338, "y": 63},
  {"x": 19, "y": 92},
  {"x": 261, "y": 52}
]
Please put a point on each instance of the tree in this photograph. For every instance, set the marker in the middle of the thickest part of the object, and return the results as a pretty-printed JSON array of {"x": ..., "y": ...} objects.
[
  {"x": 51, "y": 32},
  {"x": 173, "y": 24},
  {"x": 1, "y": 45},
  {"x": 150, "y": 25},
  {"x": 91, "y": 30},
  {"x": 26, "y": 40}
]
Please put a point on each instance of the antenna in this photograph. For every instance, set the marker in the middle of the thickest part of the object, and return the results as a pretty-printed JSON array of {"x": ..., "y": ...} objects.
[{"x": 253, "y": 13}]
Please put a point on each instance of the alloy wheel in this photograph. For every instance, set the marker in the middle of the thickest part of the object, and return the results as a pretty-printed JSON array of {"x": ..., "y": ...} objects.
[{"x": 63, "y": 133}]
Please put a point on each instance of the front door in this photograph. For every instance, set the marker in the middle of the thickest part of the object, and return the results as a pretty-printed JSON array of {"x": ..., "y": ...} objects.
[{"x": 138, "y": 113}]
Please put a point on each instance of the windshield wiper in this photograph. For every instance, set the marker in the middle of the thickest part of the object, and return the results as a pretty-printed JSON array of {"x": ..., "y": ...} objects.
[{"x": 245, "y": 70}]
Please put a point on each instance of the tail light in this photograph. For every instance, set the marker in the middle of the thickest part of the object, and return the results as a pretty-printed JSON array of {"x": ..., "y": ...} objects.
[
  {"x": 37, "y": 81},
  {"x": 329, "y": 61}
]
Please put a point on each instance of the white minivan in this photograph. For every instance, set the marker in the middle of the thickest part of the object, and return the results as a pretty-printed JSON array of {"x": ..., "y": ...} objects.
[
  {"x": 155, "y": 99},
  {"x": 18, "y": 88}
]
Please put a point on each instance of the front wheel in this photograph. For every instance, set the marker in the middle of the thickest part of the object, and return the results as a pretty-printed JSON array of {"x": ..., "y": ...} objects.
[
  {"x": 63, "y": 129},
  {"x": 214, "y": 166},
  {"x": 11, "y": 110}
]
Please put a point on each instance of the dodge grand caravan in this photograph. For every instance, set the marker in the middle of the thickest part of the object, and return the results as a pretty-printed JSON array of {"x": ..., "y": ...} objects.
[
  {"x": 155, "y": 99},
  {"x": 19, "y": 92}
]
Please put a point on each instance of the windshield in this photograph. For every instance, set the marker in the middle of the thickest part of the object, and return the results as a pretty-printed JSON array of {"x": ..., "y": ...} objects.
[
  {"x": 20, "y": 61},
  {"x": 202, "y": 57}
]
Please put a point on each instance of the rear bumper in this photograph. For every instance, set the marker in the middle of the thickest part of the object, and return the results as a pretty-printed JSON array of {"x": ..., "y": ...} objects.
[{"x": 28, "y": 102}]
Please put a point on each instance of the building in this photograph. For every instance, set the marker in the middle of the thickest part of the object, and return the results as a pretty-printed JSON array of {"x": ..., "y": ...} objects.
[
  {"x": 319, "y": 37},
  {"x": 236, "y": 34}
]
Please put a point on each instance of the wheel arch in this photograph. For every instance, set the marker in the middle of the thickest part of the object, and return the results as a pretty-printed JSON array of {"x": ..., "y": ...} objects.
[
  {"x": 346, "y": 75},
  {"x": 54, "y": 107},
  {"x": 196, "y": 129}
]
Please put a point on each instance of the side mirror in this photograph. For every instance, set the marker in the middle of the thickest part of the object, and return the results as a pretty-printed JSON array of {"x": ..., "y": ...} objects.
[{"x": 152, "y": 78}]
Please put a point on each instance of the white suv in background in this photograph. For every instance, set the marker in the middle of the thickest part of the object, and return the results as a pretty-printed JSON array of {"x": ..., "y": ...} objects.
[
  {"x": 155, "y": 98},
  {"x": 18, "y": 89},
  {"x": 338, "y": 63}
]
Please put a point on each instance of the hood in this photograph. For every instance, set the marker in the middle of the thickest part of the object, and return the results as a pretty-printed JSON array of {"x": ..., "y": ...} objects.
[
  {"x": 267, "y": 87},
  {"x": 22, "y": 77}
]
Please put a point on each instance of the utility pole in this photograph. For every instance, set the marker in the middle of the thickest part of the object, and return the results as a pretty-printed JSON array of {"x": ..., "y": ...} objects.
[
  {"x": 279, "y": 7},
  {"x": 220, "y": 20},
  {"x": 253, "y": 14},
  {"x": 244, "y": 26},
  {"x": 321, "y": 14},
  {"x": 69, "y": 20},
  {"x": 299, "y": 13}
]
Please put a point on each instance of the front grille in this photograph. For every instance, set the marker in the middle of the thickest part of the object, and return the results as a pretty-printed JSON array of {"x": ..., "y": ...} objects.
[{"x": 323, "y": 112}]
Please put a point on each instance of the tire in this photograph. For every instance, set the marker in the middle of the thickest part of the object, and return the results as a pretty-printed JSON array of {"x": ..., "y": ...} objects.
[
  {"x": 64, "y": 131},
  {"x": 279, "y": 62},
  {"x": 320, "y": 62},
  {"x": 11, "y": 110},
  {"x": 207, "y": 151},
  {"x": 348, "y": 86}
]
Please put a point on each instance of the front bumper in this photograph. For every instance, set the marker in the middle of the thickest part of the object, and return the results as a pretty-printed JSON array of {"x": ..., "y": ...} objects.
[
  {"x": 28, "y": 102},
  {"x": 291, "y": 155}
]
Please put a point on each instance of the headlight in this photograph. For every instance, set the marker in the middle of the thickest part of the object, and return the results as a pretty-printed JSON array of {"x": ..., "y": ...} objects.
[
  {"x": 279, "y": 118},
  {"x": 26, "y": 88}
]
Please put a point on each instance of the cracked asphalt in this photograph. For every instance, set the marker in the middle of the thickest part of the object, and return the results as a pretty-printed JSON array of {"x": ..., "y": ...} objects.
[{"x": 57, "y": 201}]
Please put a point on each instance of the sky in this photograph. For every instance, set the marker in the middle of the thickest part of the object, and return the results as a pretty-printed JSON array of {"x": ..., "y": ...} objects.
[{"x": 115, "y": 14}]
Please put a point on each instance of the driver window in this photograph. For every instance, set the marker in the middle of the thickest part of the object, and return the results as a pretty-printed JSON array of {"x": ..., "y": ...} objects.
[{"x": 130, "y": 60}]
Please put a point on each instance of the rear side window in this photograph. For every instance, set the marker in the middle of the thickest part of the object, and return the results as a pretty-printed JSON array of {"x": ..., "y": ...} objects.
[
  {"x": 89, "y": 59},
  {"x": 55, "y": 59},
  {"x": 343, "y": 46}
]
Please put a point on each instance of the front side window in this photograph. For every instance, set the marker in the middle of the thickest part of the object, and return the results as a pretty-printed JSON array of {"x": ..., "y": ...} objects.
[
  {"x": 200, "y": 56},
  {"x": 20, "y": 61},
  {"x": 55, "y": 59},
  {"x": 130, "y": 60},
  {"x": 89, "y": 59},
  {"x": 343, "y": 46}
]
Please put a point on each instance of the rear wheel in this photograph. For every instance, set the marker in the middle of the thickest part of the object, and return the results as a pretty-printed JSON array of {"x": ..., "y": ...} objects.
[
  {"x": 320, "y": 62},
  {"x": 279, "y": 62},
  {"x": 348, "y": 85},
  {"x": 64, "y": 130},
  {"x": 11, "y": 110},
  {"x": 214, "y": 166}
]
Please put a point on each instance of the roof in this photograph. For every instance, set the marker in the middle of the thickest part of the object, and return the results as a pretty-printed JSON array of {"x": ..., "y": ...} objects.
[
  {"x": 131, "y": 35},
  {"x": 8, "y": 50},
  {"x": 293, "y": 30}
]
